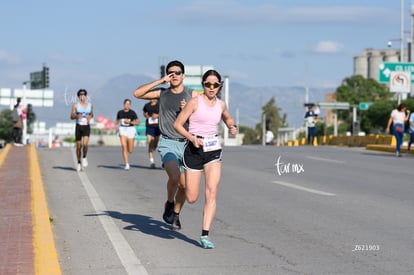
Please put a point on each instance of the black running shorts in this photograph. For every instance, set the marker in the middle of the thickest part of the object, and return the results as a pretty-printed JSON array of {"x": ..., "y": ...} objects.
[
  {"x": 195, "y": 158},
  {"x": 82, "y": 131}
]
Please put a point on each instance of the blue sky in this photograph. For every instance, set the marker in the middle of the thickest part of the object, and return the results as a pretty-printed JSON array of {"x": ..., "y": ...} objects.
[{"x": 254, "y": 42}]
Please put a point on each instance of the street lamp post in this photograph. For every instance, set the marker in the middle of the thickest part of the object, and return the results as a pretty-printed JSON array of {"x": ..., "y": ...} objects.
[
  {"x": 401, "y": 39},
  {"x": 227, "y": 100},
  {"x": 402, "y": 33}
]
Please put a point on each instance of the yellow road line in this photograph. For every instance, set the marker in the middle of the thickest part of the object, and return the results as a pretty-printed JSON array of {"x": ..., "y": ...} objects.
[
  {"x": 46, "y": 259},
  {"x": 4, "y": 153}
]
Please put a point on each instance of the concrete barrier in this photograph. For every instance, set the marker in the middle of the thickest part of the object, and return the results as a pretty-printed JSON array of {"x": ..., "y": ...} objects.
[{"x": 385, "y": 143}]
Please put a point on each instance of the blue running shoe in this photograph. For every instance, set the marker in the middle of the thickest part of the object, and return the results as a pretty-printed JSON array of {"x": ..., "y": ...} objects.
[{"x": 206, "y": 243}]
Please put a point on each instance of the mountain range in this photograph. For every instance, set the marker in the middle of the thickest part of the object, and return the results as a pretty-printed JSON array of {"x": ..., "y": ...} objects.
[{"x": 245, "y": 102}]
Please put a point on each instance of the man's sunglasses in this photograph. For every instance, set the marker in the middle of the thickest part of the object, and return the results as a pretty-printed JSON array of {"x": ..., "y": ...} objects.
[
  {"x": 209, "y": 84},
  {"x": 175, "y": 72}
]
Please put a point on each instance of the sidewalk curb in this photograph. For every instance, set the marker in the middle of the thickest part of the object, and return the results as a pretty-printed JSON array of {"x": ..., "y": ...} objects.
[
  {"x": 386, "y": 148},
  {"x": 46, "y": 259}
]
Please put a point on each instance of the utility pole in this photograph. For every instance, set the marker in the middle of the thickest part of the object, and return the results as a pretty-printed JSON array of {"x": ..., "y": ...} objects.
[
  {"x": 24, "y": 103},
  {"x": 226, "y": 99},
  {"x": 264, "y": 129},
  {"x": 401, "y": 42}
]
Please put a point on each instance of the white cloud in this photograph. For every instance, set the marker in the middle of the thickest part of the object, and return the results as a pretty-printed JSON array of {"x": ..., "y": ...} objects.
[{"x": 327, "y": 47}]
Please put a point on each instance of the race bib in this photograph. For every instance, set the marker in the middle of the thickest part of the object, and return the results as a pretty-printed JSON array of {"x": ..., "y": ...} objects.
[
  {"x": 123, "y": 123},
  {"x": 152, "y": 120},
  {"x": 211, "y": 144},
  {"x": 83, "y": 121}
]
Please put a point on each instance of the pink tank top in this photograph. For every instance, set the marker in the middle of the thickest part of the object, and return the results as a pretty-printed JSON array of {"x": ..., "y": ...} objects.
[{"x": 204, "y": 121}]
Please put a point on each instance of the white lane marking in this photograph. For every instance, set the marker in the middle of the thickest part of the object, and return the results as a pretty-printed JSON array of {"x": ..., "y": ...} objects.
[
  {"x": 302, "y": 188},
  {"x": 125, "y": 253},
  {"x": 324, "y": 159}
]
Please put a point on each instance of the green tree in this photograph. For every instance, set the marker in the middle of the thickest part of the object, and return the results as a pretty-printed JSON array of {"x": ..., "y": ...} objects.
[
  {"x": 6, "y": 125},
  {"x": 273, "y": 121},
  {"x": 283, "y": 121},
  {"x": 357, "y": 89},
  {"x": 377, "y": 115},
  {"x": 250, "y": 135}
]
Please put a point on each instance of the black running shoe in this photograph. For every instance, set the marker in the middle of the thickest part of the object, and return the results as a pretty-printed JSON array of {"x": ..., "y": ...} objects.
[
  {"x": 176, "y": 225},
  {"x": 168, "y": 215}
]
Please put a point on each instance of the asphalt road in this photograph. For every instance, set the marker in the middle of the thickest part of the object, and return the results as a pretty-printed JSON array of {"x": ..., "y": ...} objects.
[{"x": 281, "y": 210}]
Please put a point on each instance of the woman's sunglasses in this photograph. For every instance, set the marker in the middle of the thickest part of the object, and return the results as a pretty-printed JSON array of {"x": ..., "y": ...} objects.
[{"x": 214, "y": 84}]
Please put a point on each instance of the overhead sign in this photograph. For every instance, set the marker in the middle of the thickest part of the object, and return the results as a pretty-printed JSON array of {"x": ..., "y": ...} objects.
[
  {"x": 6, "y": 97},
  {"x": 386, "y": 68},
  {"x": 38, "y": 98},
  {"x": 36, "y": 80},
  {"x": 400, "y": 82},
  {"x": 334, "y": 105},
  {"x": 40, "y": 80},
  {"x": 364, "y": 105}
]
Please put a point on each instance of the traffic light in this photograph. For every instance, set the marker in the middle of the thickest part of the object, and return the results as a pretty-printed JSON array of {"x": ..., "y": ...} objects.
[
  {"x": 162, "y": 70},
  {"x": 45, "y": 77},
  {"x": 31, "y": 118}
]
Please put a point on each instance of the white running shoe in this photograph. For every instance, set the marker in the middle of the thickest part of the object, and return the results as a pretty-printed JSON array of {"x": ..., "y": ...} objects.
[
  {"x": 84, "y": 162},
  {"x": 126, "y": 166},
  {"x": 79, "y": 167}
]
